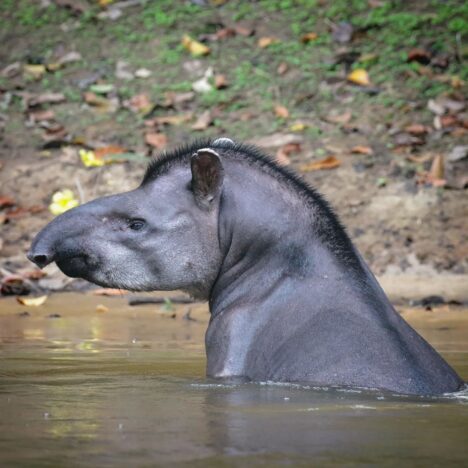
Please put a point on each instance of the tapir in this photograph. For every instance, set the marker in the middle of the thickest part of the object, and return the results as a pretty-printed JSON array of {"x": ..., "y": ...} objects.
[{"x": 290, "y": 297}]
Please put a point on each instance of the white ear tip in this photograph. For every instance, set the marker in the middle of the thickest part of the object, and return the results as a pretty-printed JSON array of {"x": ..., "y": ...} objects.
[{"x": 223, "y": 141}]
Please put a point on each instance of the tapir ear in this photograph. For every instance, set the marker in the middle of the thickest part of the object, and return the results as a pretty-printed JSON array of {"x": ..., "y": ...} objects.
[{"x": 207, "y": 176}]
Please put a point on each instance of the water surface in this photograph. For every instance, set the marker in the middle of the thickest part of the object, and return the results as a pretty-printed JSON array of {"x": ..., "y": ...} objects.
[{"x": 126, "y": 387}]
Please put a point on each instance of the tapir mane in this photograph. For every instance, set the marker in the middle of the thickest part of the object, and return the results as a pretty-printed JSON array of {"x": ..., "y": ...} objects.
[{"x": 329, "y": 228}]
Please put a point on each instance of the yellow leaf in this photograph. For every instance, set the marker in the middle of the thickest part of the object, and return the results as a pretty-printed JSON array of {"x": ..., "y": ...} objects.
[
  {"x": 194, "y": 47},
  {"x": 298, "y": 127},
  {"x": 36, "y": 71},
  {"x": 62, "y": 201},
  {"x": 32, "y": 301},
  {"x": 89, "y": 159},
  {"x": 264, "y": 42},
  {"x": 359, "y": 76},
  {"x": 102, "y": 308}
]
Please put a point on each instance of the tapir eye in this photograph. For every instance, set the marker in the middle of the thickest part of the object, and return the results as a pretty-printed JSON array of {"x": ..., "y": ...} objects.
[{"x": 136, "y": 224}]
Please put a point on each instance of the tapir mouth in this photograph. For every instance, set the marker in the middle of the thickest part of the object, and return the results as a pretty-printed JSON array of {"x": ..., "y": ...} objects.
[{"x": 77, "y": 266}]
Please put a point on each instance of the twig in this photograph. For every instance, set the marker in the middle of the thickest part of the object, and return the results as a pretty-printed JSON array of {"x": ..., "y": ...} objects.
[
  {"x": 79, "y": 187},
  {"x": 140, "y": 300}
]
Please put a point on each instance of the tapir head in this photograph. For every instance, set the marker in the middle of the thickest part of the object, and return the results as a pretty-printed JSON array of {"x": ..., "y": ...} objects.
[{"x": 161, "y": 236}]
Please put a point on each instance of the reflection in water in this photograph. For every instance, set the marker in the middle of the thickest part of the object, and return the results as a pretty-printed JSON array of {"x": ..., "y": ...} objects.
[{"x": 127, "y": 388}]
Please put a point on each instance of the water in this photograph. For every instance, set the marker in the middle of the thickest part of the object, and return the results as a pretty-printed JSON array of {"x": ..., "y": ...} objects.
[{"x": 127, "y": 388}]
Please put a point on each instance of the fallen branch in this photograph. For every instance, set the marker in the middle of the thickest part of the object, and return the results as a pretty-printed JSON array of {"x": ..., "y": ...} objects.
[{"x": 134, "y": 301}]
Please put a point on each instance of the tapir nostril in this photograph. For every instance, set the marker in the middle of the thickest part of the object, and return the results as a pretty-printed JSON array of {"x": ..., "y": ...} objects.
[{"x": 41, "y": 260}]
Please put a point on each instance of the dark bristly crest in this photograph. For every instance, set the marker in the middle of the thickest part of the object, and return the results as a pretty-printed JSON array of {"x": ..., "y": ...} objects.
[{"x": 332, "y": 232}]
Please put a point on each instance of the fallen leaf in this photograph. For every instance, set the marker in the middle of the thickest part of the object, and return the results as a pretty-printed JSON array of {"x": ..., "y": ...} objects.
[
  {"x": 203, "y": 85},
  {"x": 311, "y": 36},
  {"x": 89, "y": 159},
  {"x": 203, "y": 121},
  {"x": 224, "y": 33},
  {"x": 243, "y": 30},
  {"x": 102, "y": 308},
  {"x": 102, "y": 88},
  {"x": 457, "y": 154},
  {"x": 435, "y": 107},
  {"x": 109, "y": 292},
  {"x": 11, "y": 70},
  {"x": 33, "y": 100},
  {"x": 282, "y": 155},
  {"x": 419, "y": 55},
  {"x": 405, "y": 139},
  {"x": 220, "y": 82},
  {"x": 343, "y": 118},
  {"x": 104, "y": 151},
  {"x": 158, "y": 140},
  {"x": 298, "y": 127},
  {"x": 172, "y": 99},
  {"x": 39, "y": 115},
  {"x": 13, "y": 285},
  {"x": 94, "y": 100},
  {"x": 140, "y": 103},
  {"x": 70, "y": 57},
  {"x": 265, "y": 42},
  {"x": 6, "y": 201},
  {"x": 416, "y": 129},
  {"x": 359, "y": 76},
  {"x": 34, "y": 274},
  {"x": 143, "y": 73},
  {"x": 437, "y": 168},
  {"x": 35, "y": 71},
  {"x": 32, "y": 301},
  {"x": 448, "y": 121},
  {"x": 277, "y": 139},
  {"x": 330, "y": 162},
  {"x": 282, "y": 68},
  {"x": 342, "y": 32},
  {"x": 196, "y": 48},
  {"x": 419, "y": 159},
  {"x": 62, "y": 201},
  {"x": 169, "y": 120},
  {"x": 362, "y": 150},
  {"x": 281, "y": 112}
]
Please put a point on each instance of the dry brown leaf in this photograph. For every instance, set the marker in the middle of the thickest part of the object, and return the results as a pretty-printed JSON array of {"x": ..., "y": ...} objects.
[
  {"x": 343, "y": 118},
  {"x": 104, "y": 151},
  {"x": 203, "y": 121},
  {"x": 109, "y": 292},
  {"x": 311, "y": 36},
  {"x": 6, "y": 201},
  {"x": 33, "y": 274},
  {"x": 419, "y": 159},
  {"x": 359, "y": 76},
  {"x": 169, "y": 120},
  {"x": 220, "y": 82},
  {"x": 32, "y": 301},
  {"x": 281, "y": 112},
  {"x": 330, "y": 162},
  {"x": 243, "y": 30},
  {"x": 416, "y": 129},
  {"x": 265, "y": 42},
  {"x": 102, "y": 308},
  {"x": 419, "y": 55},
  {"x": 38, "y": 115},
  {"x": 282, "y": 68},
  {"x": 95, "y": 100},
  {"x": 158, "y": 140},
  {"x": 437, "y": 168},
  {"x": 359, "y": 149},
  {"x": 33, "y": 100},
  {"x": 282, "y": 155},
  {"x": 140, "y": 103}
]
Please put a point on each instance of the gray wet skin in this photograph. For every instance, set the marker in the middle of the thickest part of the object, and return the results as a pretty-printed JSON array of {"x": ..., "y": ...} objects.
[{"x": 290, "y": 297}]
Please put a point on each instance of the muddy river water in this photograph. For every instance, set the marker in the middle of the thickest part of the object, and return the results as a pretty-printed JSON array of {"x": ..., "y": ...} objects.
[{"x": 125, "y": 386}]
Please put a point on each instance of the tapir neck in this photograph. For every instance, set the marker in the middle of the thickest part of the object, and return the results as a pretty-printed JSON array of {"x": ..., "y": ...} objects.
[{"x": 272, "y": 259}]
